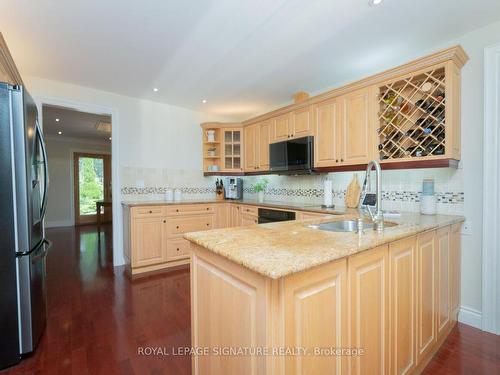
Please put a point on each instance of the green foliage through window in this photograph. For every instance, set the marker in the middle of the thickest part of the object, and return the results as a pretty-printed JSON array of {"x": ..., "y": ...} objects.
[{"x": 91, "y": 183}]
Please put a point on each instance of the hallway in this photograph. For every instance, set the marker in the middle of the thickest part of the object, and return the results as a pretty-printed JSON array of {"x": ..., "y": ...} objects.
[{"x": 98, "y": 320}]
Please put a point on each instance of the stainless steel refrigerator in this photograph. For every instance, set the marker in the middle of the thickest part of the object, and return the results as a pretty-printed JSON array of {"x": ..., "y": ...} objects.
[{"x": 23, "y": 247}]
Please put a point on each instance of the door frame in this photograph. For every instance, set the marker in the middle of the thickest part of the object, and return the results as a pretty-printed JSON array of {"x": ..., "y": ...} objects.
[
  {"x": 76, "y": 182},
  {"x": 40, "y": 100},
  {"x": 491, "y": 187}
]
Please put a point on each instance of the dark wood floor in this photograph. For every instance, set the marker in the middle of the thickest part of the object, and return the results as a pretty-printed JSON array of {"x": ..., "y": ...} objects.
[{"x": 98, "y": 318}]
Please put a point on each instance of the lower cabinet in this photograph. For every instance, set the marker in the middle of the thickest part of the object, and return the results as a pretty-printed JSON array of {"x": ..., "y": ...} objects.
[
  {"x": 455, "y": 260},
  {"x": 149, "y": 241},
  {"x": 315, "y": 306},
  {"x": 402, "y": 301},
  {"x": 443, "y": 281},
  {"x": 369, "y": 310},
  {"x": 426, "y": 293}
]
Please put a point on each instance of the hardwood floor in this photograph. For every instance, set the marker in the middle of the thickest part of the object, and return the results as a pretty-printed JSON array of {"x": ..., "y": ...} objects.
[{"x": 98, "y": 319}]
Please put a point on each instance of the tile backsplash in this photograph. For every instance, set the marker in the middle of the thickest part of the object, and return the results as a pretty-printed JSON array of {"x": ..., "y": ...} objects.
[{"x": 401, "y": 188}]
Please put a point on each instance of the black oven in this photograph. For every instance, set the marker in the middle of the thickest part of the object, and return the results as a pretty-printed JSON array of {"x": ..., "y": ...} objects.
[
  {"x": 294, "y": 156},
  {"x": 267, "y": 215}
]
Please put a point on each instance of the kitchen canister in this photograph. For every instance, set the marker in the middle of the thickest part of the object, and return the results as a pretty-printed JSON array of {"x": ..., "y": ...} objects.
[
  {"x": 177, "y": 194},
  {"x": 428, "y": 202},
  {"x": 169, "y": 195}
]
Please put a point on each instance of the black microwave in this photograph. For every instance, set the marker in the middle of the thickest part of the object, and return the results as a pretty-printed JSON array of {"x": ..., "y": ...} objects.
[{"x": 295, "y": 156}]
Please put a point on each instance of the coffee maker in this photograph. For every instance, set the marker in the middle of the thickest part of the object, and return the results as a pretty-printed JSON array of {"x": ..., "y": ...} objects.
[{"x": 233, "y": 187}]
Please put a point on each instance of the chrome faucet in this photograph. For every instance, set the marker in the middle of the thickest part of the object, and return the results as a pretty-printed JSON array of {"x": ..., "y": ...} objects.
[{"x": 378, "y": 216}]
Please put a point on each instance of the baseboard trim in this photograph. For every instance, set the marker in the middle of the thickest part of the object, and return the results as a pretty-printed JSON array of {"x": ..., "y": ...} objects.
[
  {"x": 471, "y": 317},
  {"x": 57, "y": 224}
]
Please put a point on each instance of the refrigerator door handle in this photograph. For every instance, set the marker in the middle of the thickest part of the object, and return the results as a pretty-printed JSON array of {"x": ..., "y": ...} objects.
[{"x": 45, "y": 169}]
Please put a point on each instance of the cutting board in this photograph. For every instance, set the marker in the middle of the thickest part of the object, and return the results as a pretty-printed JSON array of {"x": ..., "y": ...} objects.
[{"x": 353, "y": 193}]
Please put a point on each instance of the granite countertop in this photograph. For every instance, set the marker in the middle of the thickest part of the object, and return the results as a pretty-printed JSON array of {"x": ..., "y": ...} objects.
[
  {"x": 278, "y": 249},
  {"x": 271, "y": 204}
]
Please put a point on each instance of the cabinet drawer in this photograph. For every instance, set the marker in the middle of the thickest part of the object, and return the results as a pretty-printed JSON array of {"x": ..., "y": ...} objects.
[
  {"x": 189, "y": 209},
  {"x": 178, "y": 249},
  {"x": 148, "y": 211},
  {"x": 181, "y": 225},
  {"x": 252, "y": 210}
]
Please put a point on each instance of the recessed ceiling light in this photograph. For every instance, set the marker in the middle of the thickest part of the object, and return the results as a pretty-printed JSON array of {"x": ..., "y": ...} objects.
[
  {"x": 155, "y": 89},
  {"x": 204, "y": 101},
  {"x": 110, "y": 138},
  {"x": 59, "y": 132},
  {"x": 57, "y": 120},
  {"x": 374, "y": 3}
]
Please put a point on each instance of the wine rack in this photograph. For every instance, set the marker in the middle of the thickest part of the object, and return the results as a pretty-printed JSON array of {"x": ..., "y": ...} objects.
[{"x": 412, "y": 116}]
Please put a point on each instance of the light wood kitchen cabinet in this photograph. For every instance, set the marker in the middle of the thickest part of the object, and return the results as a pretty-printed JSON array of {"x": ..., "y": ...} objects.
[
  {"x": 251, "y": 135},
  {"x": 357, "y": 127},
  {"x": 316, "y": 317},
  {"x": 443, "y": 281},
  {"x": 153, "y": 235},
  {"x": 232, "y": 152},
  {"x": 149, "y": 241},
  {"x": 301, "y": 124},
  {"x": 402, "y": 302},
  {"x": 426, "y": 293},
  {"x": 327, "y": 140},
  {"x": 455, "y": 263},
  {"x": 280, "y": 130},
  {"x": 248, "y": 219},
  {"x": 294, "y": 124},
  {"x": 382, "y": 301},
  {"x": 369, "y": 310},
  {"x": 235, "y": 215},
  {"x": 264, "y": 138},
  {"x": 222, "y": 215}
]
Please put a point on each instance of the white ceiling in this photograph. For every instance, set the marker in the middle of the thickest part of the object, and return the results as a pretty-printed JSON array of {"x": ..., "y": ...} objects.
[
  {"x": 243, "y": 56},
  {"x": 74, "y": 124}
]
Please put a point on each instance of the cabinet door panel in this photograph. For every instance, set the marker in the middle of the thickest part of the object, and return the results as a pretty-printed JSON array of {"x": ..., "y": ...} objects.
[
  {"x": 316, "y": 316},
  {"x": 443, "y": 281},
  {"x": 327, "y": 117},
  {"x": 426, "y": 293},
  {"x": 264, "y": 137},
  {"x": 455, "y": 260},
  {"x": 248, "y": 219},
  {"x": 368, "y": 286},
  {"x": 402, "y": 264},
  {"x": 281, "y": 128},
  {"x": 357, "y": 128},
  {"x": 249, "y": 150},
  {"x": 148, "y": 241},
  {"x": 301, "y": 123}
]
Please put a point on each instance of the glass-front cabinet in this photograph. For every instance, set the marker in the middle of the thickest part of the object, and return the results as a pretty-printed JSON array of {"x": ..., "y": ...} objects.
[{"x": 232, "y": 161}]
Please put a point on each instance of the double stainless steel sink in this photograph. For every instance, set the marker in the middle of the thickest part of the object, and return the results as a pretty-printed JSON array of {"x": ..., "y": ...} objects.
[{"x": 346, "y": 225}]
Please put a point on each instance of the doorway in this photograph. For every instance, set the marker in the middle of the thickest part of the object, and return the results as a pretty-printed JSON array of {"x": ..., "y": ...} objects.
[{"x": 92, "y": 188}]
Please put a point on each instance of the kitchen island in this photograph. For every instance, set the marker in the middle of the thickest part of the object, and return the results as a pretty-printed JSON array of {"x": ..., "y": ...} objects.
[{"x": 288, "y": 298}]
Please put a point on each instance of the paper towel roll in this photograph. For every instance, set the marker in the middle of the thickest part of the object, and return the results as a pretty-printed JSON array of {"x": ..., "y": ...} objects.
[{"x": 328, "y": 195}]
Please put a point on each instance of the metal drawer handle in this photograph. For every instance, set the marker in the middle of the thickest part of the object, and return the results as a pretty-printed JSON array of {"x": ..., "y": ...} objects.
[
  {"x": 150, "y": 211},
  {"x": 177, "y": 227},
  {"x": 164, "y": 221}
]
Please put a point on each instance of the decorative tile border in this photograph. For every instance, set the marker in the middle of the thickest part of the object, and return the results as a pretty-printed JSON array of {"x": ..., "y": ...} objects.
[
  {"x": 393, "y": 196},
  {"x": 162, "y": 190}
]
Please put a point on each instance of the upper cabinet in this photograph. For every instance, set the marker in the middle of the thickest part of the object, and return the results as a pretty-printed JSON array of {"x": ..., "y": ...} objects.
[
  {"x": 281, "y": 128},
  {"x": 357, "y": 127},
  {"x": 222, "y": 148},
  {"x": 8, "y": 70},
  {"x": 344, "y": 128},
  {"x": 406, "y": 115},
  {"x": 256, "y": 146},
  {"x": 419, "y": 115},
  {"x": 294, "y": 124}
]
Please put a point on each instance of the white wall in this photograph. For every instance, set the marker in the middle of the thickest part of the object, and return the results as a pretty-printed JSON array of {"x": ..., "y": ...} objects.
[{"x": 60, "y": 210}]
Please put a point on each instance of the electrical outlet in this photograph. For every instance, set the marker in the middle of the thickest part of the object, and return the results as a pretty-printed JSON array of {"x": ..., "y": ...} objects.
[{"x": 467, "y": 228}]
